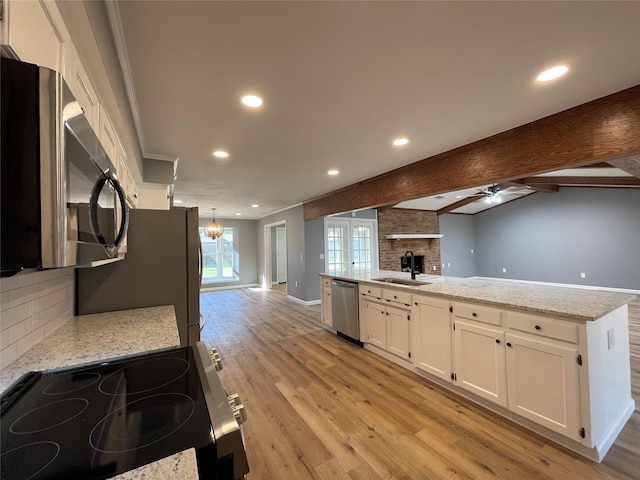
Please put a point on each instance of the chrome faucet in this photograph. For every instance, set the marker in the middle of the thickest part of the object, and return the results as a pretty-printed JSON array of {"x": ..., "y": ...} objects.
[{"x": 413, "y": 264}]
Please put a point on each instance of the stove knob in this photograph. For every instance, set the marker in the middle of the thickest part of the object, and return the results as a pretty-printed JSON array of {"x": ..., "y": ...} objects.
[
  {"x": 240, "y": 413},
  {"x": 215, "y": 358}
]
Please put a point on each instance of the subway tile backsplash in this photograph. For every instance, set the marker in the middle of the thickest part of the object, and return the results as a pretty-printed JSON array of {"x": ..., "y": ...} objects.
[{"x": 32, "y": 306}]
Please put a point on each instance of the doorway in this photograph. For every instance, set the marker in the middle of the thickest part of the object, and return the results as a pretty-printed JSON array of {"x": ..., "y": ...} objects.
[{"x": 275, "y": 254}]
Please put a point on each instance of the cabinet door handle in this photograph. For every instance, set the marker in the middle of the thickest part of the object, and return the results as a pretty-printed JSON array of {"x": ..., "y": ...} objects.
[
  {"x": 497, "y": 341},
  {"x": 415, "y": 303},
  {"x": 538, "y": 327},
  {"x": 474, "y": 314},
  {"x": 508, "y": 344},
  {"x": 395, "y": 297}
]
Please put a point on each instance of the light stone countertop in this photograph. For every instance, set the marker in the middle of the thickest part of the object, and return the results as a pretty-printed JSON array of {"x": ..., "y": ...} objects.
[
  {"x": 99, "y": 336},
  {"x": 181, "y": 466},
  {"x": 102, "y": 336},
  {"x": 560, "y": 302}
]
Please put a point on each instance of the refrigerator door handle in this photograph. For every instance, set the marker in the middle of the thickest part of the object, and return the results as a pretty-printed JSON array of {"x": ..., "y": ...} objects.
[{"x": 200, "y": 260}]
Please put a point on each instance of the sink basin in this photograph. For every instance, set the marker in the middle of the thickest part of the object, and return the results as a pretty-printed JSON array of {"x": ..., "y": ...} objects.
[{"x": 401, "y": 281}]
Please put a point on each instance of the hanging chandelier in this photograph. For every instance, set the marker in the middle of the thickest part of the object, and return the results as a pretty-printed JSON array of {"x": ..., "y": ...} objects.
[{"x": 214, "y": 229}]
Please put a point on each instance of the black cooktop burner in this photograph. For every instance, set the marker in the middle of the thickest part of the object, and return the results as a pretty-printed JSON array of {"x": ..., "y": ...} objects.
[
  {"x": 48, "y": 416},
  {"x": 103, "y": 419},
  {"x": 26, "y": 461}
]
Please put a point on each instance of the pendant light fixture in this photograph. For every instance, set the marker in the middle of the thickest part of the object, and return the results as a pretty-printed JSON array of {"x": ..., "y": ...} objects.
[{"x": 214, "y": 229}]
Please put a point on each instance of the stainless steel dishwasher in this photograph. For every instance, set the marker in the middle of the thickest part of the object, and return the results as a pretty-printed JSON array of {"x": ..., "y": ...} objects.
[{"x": 344, "y": 310}]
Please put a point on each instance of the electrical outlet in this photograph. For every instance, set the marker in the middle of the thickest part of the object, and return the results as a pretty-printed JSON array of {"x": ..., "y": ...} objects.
[
  {"x": 583, "y": 275},
  {"x": 504, "y": 270},
  {"x": 296, "y": 283},
  {"x": 322, "y": 256},
  {"x": 472, "y": 250},
  {"x": 448, "y": 264},
  {"x": 434, "y": 268}
]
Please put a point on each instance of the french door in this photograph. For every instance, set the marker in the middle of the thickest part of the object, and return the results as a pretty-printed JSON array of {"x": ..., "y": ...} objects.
[{"x": 350, "y": 246}]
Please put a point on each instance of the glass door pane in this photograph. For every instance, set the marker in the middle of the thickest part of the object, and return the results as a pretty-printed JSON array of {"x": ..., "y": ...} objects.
[
  {"x": 338, "y": 248},
  {"x": 361, "y": 236}
]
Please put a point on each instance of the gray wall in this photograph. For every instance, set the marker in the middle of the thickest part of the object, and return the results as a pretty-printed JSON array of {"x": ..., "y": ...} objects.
[
  {"x": 296, "y": 268},
  {"x": 246, "y": 247},
  {"x": 554, "y": 237},
  {"x": 314, "y": 247},
  {"x": 457, "y": 246}
]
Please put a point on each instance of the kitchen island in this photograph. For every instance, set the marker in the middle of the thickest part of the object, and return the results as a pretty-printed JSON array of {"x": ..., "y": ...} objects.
[
  {"x": 552, "y": 359},
  {"x": 105, "y": 336}
]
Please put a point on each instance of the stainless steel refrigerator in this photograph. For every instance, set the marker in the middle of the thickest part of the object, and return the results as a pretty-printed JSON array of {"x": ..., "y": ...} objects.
[{"x": 162, "y": 267}]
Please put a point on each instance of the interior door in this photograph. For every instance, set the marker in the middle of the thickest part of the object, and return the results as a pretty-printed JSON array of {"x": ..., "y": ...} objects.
[{"x": 281, "y": 254}]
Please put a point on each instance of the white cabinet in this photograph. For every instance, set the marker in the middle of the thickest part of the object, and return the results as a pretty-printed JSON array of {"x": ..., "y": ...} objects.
[
  {"x": 81, "y": 87},
  {"x": 373, "y": 323},
  {"x": 326, "y": 302},
  {"x": 480, "y": 365},
  {"x": 543, "y": 374},
  {"x": 431, "y": 336},
  {"x": 398, "y": 320},
  {"x": 34, "y": 30},
  {"x": 108, "y": 137},
  {"x": 385, "y": 319}
]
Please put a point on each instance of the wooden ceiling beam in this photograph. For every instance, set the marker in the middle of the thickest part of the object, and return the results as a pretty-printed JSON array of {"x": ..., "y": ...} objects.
[
  {"x": 629, "y": 164},
  {"x": 608, "y": 181},
  {"x": 603, "y": 129},
  {"x": 458, "y": 204}
]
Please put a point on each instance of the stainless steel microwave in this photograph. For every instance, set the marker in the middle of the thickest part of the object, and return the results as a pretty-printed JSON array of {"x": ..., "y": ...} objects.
[{"x": 61, "y": 202}]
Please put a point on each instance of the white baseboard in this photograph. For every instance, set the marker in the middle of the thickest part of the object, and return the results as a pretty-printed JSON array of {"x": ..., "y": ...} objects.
[
  {"x": 568, "y": 285},
  {"x": 303, "y": 302},
  {"x": 228, "y": 287}
]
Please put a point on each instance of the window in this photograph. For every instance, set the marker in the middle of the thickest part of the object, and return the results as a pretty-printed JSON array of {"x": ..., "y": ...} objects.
[
  {"x": 220, "y": 260},
  {"x": 351, "y": 246}
]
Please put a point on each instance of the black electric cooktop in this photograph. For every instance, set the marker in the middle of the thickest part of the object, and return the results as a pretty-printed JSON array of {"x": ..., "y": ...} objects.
[{"x": 103, "y": 419}]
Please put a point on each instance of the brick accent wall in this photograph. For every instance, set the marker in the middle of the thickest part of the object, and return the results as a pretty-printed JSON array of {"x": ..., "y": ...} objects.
[{"x": 400, "y": 220}]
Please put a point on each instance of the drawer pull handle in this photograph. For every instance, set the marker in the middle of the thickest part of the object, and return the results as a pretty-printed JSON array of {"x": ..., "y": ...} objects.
[
  {"x": 508, "y": 344},
  {"x": 538, "y": 327},
  {"x": 474, "y": 314},
  {"x": 415, "y": 303},
  {"x": 395, "y": 297},
  {"x": 497, "y": 341}
]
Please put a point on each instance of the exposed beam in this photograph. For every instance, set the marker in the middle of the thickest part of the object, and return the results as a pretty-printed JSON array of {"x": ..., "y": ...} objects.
[
  {"x": 543, "y": 188},
  {"x": 603, "y": 129},
  {"x": 609, "y": 181},
  {"x": 629, "y": 164},
  {"x": 458, "y": 204}
]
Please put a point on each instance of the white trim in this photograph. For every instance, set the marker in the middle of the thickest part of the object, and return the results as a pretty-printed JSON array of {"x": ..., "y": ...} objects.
[
  {"x": 228, "y": 287},
  {"x": 303, "y": 302},
  {"x": 281, "y": 210},
  {"x": 268, "y": 273},
  {"x": 567, "y": 285}
]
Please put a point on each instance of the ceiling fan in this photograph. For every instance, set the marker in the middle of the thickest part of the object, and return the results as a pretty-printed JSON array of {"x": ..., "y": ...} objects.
[{"x": 494, "y": 193}]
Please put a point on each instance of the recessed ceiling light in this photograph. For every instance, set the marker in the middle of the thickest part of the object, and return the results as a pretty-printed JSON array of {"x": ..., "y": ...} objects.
[
  {"x": 553, "y": 73},
  {"x": 333, "y": 172},
  {"x": 398, "y": 142},
  {"x": 255, "y": 205},
  {"x": 177, "y": 201},
  {"x": 220, "y": 154},
  {"x": 252, "y": 101},
  {"x": 238, "y": 214}
]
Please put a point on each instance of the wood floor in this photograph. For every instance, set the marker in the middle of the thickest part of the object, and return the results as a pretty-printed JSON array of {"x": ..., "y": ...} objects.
[{"x": 321, "y": 408}]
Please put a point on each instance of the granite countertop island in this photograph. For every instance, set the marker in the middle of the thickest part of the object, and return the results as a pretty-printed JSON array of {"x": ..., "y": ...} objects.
[
  {"x": 561, "y": 302},
  {"x": 102, "y": 336}
]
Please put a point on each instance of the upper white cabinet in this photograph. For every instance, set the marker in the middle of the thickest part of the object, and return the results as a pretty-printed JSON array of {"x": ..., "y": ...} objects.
[
  {"x": 34, "y": 30},
  {"x": 81, "y": 87},
  {"x": 431, "y": 336}
]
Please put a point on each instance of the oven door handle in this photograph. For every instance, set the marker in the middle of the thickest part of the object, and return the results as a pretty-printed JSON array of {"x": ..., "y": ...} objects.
[{"x": 124, "y": 225}]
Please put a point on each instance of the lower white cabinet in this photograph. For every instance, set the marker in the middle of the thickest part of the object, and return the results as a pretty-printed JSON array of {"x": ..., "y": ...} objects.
[
  {"x": 480, "y": 364},
  {"x": 431, "y": 336},
  {"x": 373, "y": 323},
  {"x": 325, "y": 302},
  {"x": 543, "y": 383},
  {"x": 398, "y": 332}
]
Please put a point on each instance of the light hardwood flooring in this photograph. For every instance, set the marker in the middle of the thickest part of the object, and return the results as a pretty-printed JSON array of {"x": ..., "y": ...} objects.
[{"x": 321, "y": 408}]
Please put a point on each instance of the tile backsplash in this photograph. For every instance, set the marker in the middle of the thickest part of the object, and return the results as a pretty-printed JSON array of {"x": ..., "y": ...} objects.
[{"x": 32, "y": 306}]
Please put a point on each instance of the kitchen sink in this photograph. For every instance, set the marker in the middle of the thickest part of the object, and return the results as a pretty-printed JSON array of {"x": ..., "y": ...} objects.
[{"x": 401, "y": 281}]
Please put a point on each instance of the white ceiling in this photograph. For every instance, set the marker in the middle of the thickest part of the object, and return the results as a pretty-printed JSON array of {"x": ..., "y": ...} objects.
[{"x": 341, "y": 80}]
